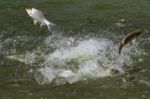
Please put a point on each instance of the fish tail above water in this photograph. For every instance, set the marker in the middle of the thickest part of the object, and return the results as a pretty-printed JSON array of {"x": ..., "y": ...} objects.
[
  {"x": 38, "y": 17},
  {"x": 50, "y": 25},
  {"x": 128, "y": 38},
  {"x": 120, "y": 48}
]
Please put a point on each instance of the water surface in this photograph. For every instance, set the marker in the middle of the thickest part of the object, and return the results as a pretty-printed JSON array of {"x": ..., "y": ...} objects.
[{"x": 79, "y": 61}]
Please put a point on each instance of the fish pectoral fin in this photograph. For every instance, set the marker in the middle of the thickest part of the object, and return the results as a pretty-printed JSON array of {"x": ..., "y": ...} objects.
[{"x": 35, "y": 22}]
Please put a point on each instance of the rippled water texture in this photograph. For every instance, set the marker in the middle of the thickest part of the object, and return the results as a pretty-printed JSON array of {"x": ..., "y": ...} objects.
[{"x": 79, "y": 58}]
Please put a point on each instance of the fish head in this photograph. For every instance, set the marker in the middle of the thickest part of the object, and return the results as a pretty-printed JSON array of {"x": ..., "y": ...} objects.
[
  {"x": 35, "y": 14},
  {"x": 29, "y": 11}
]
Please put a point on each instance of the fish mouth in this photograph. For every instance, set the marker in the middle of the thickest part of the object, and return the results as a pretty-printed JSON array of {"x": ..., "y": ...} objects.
[{"x": 28, "y": 10}]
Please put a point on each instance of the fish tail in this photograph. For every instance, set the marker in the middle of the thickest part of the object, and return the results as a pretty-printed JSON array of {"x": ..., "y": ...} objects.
[
  {"x": 120, "y": 48},
  {"x": 51, "y": 26}
]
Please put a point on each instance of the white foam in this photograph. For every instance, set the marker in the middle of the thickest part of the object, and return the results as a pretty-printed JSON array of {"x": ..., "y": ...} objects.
[
  {"x": 86, "y": 53},
  {"x": 84, "y": 59},
  {"x": 58, "y": 41},
  {"x": 85, "y": 50},
  {"x": 79, "y": 59},
  {"x": 28, "y": 58}
]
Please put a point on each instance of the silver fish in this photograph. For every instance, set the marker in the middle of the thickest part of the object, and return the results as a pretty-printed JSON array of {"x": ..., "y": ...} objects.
[
  {"x": 38, "y": 16},
  {"x": 129, "y": 37}
]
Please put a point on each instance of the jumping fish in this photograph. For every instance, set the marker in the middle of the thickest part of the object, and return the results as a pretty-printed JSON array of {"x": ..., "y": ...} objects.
[
  {"x": 38, "y": 16},
  {"x": 129, "y": 37}
]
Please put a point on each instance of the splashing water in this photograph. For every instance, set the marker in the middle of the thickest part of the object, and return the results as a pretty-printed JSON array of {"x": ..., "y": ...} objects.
[
  {"x": 84, "y": 59},
  {"x": 74, "y": 60},
  {"x": 28, "y": 58}
]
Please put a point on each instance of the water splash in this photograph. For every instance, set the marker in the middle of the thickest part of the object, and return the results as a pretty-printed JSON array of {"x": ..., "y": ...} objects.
[
  {"x": 75, "y": 59},
  {"x": 28, "y": 58},
  {"x": 14, "y": 51},
  {"x": 84, "y": 59}
]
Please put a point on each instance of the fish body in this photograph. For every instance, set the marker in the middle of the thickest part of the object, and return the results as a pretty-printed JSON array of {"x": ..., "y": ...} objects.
[
  {"x": 128, "y": 38},
  {"x": 38, "y": 16}
]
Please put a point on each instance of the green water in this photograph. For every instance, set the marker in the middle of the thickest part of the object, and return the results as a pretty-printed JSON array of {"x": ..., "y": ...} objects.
[{"x": 79, "y": 16}]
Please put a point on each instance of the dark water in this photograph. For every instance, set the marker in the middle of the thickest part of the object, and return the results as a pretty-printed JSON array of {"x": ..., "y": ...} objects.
[{"x": 78, "y": 18}]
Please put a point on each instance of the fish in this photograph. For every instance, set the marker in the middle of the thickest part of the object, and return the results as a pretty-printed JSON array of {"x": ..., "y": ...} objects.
[
  {"x": 128, "y": 38},
  {"x": 38, "y": 17}
]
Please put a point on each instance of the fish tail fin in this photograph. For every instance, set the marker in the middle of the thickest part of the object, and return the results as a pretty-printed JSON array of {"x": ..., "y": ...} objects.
[
  {"x": 120, "y": 48},
  {"x": 51, "y": 26}
]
